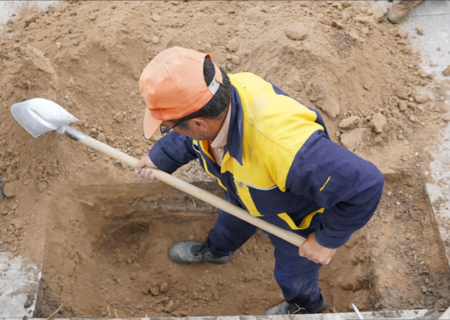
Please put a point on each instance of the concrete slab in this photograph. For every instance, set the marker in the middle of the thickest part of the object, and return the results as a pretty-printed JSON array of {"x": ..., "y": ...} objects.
[
  {"x": 439, "y": 190},
  {"x": 19, "y": 280},
  {"x": 401, "y": 314}
]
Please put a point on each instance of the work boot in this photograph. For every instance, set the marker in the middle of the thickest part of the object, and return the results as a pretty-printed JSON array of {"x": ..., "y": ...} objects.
[
  {"x": 194, "y": 252},
  {"x": 399, "y": 11},
  {"x": 288, "y": 308}
]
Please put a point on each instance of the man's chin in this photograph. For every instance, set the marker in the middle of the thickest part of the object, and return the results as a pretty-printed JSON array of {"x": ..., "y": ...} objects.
[{"x": 202, "y": 137}]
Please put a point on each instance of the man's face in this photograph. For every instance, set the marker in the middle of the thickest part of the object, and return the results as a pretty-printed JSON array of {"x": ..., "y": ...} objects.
[{"x": 197, "y": 128}]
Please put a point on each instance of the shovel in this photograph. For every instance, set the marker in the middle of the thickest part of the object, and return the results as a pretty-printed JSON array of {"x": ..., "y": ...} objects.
[{"x": 39, "y": 116}]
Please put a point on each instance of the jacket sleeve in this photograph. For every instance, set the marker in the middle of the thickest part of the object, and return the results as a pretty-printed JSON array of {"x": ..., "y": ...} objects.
[
  {"x": 347, "y": 186},
  {"x": 172, "y": 151}
]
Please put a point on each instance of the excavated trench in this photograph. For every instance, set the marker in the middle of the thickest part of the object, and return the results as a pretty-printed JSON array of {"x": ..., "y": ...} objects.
[{"x": 112, "y": 261}]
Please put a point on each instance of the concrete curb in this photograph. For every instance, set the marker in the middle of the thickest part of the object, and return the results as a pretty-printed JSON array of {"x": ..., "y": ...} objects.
[{"x": 402, "y": 314}]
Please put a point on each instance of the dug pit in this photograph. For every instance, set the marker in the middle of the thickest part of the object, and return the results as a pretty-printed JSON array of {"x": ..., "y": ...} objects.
[{"x": 111, "y": 260}]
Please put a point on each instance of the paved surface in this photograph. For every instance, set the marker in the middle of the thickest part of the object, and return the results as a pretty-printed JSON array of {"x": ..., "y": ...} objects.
[
  {"x": 7, "y": 8},
  {"x": 433, "y": 17},
  {"x": 19, "y": 280},
  {"x": 402, "y": 314}
]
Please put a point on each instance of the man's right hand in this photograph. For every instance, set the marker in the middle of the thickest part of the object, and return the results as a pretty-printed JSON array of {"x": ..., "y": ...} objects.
[{"x": 145, "y": 173}]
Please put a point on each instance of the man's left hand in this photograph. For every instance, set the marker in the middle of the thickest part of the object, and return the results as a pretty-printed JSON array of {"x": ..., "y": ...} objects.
[{"x": 312, "y": 250}]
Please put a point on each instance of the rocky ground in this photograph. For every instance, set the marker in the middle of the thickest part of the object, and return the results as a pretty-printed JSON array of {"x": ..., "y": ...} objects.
[{"x": 338, "y": 57}]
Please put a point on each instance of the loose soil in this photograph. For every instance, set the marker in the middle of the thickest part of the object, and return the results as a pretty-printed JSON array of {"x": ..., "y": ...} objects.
[{"x": 102, "y": 235}]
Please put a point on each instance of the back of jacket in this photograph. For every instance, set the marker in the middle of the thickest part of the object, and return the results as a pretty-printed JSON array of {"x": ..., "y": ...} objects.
[{"x": 280, "y": 165}]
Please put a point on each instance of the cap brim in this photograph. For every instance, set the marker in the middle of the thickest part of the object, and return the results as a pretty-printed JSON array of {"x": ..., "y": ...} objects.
[{"x": 151, "y": 124}]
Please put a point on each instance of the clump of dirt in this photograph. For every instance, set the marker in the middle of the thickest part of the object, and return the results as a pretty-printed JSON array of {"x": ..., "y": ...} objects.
[{"x": 87, "y": 56}]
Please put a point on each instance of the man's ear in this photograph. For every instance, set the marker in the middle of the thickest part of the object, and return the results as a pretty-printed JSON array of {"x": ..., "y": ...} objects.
[{"x": 198, "y": 124}]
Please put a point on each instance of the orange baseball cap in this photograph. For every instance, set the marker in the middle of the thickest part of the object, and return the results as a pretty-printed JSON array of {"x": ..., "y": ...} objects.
[{"x": 173, "y": 86}]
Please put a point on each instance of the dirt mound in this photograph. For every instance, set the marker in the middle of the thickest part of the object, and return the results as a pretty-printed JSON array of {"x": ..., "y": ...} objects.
[{"x": 87, "y": 56}]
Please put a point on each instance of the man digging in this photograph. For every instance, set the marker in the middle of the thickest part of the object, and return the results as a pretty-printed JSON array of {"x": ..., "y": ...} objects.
[{"x": 272, "y": 156}]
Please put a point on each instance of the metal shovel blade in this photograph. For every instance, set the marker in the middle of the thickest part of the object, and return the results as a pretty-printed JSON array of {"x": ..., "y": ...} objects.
[{"x": 39, "y": 116}]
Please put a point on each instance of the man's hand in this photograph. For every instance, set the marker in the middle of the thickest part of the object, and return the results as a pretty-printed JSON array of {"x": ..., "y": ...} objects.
[
  {"x": 312, "y": 250},
  {"x": 145, "y": 172}
]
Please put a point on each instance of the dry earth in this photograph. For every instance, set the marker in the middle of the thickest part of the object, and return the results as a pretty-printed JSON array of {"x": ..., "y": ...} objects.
[{"x": 104, "y": 248}]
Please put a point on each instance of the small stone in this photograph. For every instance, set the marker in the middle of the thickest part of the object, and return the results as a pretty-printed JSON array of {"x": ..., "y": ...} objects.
[
  {"x": 352, "y": 139},
  {"x": 421, "y": 98},
  {"x": 378, "y": 122},
  {"x": 402, "y": 33},
  {"x": 18, "y": 224},
  {"x": 412, "y": 118},
  {"x": 10, "y": 189},
  {"x": 58, "y": 45},
  {"x": 154, "y": 290},
  {"x": 129, "y": 261},
  {"x": 164, "y": 287},
  {"x": 337, "y": 25},
  {"x": 424, "y": 289},
  {"x": 233, "y": 45},
  {"x": 145, "y": 290},
  {"x": 430, "y": 76},
  {"x": 402, "y": 105},
  {"x": 296, "y": 32},
  {"x": 337, "y": 5},
  {"x": 101, "y": 137},
  {"x": 446, "y": 72},
  {"x": 30, "y": 19},
  {"x": 378, "y": 15},
  {"x": 419, "y": 31},
  {"x": 220, "y": 22},
  {"x": 156, "y": 17},
  {"x": 70, "y": 83},
  {"x": 169, "y": 307},
  {"x": 42, "y": 186},
  {"x": 133, "y": 276},
  {"x": 155, "y": 39},
  {"x": 118, "y": 117},
  {"x": 350, "y": 123},
  {"x": 402, "y": 95},
  {"x": 446, "y": 117},
  {"x": 235, "y": 60}
]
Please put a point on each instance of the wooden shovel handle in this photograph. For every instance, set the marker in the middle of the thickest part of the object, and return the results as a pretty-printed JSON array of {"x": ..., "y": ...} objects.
[{"x": 197, "y": 192}]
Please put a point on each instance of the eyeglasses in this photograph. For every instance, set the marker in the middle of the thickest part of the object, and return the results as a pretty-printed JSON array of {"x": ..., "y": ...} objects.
[{"x": 165, "y": 129}]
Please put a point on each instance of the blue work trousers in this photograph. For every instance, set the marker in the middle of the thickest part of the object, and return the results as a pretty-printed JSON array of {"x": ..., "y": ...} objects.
[{"x": 297, "y": 276}]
